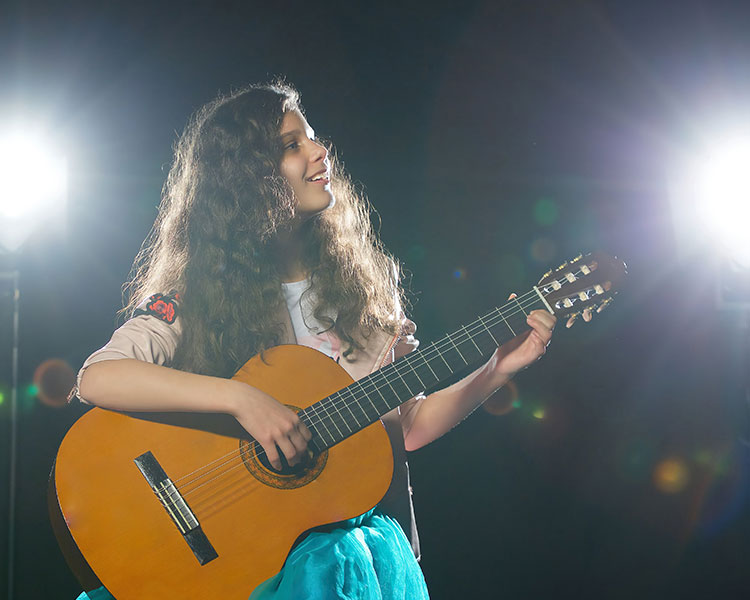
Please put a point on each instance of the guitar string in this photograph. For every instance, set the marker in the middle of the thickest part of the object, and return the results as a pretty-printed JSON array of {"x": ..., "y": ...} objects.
[
  {"x": 436, "y": 349},
  {"x": 478, "y": 324},
  {"x": 227, "y": 471}
]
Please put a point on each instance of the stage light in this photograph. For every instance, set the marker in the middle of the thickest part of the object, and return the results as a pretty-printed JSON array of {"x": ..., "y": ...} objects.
[
  {"x": 33, "y": 185},
  {"x": 723, "y": 202},
  {"x": 710, "y": 197}
]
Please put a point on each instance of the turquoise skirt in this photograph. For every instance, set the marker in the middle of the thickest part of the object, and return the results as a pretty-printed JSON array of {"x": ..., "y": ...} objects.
[{"x": 366, "y": 558}]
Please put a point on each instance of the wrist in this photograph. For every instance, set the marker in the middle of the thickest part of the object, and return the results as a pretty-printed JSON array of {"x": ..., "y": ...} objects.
[
  {"x": 497, "y": 375},
  {"x": 489, "y": 379},
  {"x": 229, "y": 395}
]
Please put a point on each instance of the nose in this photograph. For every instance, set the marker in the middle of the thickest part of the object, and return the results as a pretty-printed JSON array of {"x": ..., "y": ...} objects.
[{"x": 318, "y": 152}]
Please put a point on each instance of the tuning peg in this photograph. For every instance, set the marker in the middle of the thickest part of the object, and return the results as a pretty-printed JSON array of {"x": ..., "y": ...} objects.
[
  {"x": 562, "y": 266},
  {"x": 572, "y": 319},
  {"x": 577, "y": 258},
  {"x": 604, "y": 305}
]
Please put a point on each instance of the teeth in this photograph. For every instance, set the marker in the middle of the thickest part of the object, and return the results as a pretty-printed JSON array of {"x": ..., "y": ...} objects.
[{"x": 318, "y": 177}]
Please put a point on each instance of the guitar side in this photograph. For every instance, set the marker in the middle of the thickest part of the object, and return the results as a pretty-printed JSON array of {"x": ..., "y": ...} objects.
[{"x": 128, "y": 537}]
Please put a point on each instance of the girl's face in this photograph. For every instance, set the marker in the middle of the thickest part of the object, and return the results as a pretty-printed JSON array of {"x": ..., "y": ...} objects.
[{"x": 305, "y": 166}]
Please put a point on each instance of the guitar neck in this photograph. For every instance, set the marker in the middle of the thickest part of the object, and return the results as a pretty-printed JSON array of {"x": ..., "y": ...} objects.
[{"x": 345, "y": 412}]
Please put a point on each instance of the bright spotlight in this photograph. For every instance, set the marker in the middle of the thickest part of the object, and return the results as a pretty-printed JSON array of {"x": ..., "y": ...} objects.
[
  {"x": 723, "y": 189},
  {"x": 33, "y": 186}
]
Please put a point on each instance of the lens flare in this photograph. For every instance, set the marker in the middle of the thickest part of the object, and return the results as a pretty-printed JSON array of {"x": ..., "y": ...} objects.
[
  {"x": 54, "y": 379},
  {"x": 503, "y": 400},
  {"x": 671, "y": 475}
]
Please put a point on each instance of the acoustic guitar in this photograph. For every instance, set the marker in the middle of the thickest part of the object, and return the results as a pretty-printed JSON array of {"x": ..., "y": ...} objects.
[{"x": 164, "y": 509}]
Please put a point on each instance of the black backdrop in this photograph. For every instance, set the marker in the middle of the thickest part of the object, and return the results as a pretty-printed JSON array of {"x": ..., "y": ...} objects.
[{"x": 494, "y": 139}]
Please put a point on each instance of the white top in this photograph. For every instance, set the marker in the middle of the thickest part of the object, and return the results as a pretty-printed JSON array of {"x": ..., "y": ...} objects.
[{"x": 307, "y": 329}]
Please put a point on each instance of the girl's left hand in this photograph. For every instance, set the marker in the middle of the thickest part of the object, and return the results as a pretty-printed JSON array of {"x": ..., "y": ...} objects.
[{"x": 526, "y": 348}]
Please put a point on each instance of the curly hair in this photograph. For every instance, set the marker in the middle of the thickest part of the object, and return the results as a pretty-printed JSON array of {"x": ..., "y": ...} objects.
[{"x": 223, "y": 204}]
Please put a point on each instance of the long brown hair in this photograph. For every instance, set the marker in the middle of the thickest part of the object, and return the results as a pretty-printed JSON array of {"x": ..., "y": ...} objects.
[{"x": 223, "y": 203}]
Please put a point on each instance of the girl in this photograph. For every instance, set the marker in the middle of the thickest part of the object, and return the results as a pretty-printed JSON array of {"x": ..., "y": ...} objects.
[{"x": 261, "y": 240}]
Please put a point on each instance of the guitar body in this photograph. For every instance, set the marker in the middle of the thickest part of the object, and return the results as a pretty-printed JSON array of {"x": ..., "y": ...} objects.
[{"x": 250, "y": 515}]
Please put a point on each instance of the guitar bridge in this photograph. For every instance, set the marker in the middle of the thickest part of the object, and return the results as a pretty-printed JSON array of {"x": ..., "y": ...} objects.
[{"x": 176, "y": 507}]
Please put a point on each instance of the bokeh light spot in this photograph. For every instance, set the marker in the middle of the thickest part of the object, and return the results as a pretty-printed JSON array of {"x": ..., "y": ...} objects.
[
  {"x": 671, "y": 475},
  {"x": 2, "y": 397},
  {"x": 54, "y": 379},
  {"x": 503, "y": 400},
  {"x": 459, "y": 274},
  {"x": 545, "y": 211},
  {"x": 538, "y": 413},
  {"x": 543, "y": 250}
]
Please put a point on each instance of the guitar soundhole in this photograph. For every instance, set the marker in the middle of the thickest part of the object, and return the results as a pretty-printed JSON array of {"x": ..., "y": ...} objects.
[{"x": 255, "y": 461}]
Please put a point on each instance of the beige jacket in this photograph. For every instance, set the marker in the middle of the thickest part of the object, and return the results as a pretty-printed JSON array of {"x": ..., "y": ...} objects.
[{"x": 148, "y": 338}]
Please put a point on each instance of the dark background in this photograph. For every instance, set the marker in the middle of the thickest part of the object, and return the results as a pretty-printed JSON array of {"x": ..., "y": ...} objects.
[{"x": 495, "y": 139}]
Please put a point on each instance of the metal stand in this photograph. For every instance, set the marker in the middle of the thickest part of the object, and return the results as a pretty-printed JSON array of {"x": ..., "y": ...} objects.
[{"x": 13, "y": 278}]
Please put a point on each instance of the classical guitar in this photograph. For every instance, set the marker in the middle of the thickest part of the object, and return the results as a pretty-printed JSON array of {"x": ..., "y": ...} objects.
[{"x": 164, "y": 510}]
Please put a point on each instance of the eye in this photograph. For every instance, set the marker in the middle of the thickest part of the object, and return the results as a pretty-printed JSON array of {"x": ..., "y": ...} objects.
[{"x": 291, "y": 146}]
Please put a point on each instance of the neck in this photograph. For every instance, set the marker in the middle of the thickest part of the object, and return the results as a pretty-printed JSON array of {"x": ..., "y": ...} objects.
[{"x": 288, "y": 248}]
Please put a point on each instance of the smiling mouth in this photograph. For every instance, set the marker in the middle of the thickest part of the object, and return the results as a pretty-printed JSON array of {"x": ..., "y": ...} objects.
[{"x": 319, "y": 178}]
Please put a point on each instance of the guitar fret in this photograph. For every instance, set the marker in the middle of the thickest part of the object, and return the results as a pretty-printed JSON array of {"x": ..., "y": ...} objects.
[
  {"x": 421, "y": 383},
  {"x": 471, "y": 339},
  {"x": 487, "y": 329},
  {"x": 506, "y": 321},
  {"x": 366, "y": 418},
  {"x": 375, "y": 387},
  {"x": 521, "y": 307},
  {"x": 340, "y": 405},
  {"x": 375, "y": 408},
  {"x": 440, "y": 354},
  {"x": 339, "y": 415},
  {"x": 411, "y": 393},
  {"x": 427, "y": 364},
  {"x": 388, "y": 383},
  {"x": 450, "y": 339},
  {"x": 322, "y": 422}
]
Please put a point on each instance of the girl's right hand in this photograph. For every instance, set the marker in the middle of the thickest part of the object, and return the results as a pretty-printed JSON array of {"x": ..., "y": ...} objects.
[{"x": 272, "y": 425}]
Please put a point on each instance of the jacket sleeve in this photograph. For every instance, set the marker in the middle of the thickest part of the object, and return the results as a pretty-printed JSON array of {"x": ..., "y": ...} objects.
[{"x": 144, "y": 337}]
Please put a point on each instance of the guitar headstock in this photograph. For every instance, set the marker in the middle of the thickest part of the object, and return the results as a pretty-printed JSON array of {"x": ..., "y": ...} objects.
[{"x": 586, "y": 282}]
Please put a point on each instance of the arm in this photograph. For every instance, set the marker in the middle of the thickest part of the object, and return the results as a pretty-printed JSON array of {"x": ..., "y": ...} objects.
[
  {"x": 426, "y": 419},
  {"x": 124, "y": 376}
]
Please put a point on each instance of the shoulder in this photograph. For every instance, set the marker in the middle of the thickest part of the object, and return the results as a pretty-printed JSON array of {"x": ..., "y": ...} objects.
[{"x": 164, "y": 307}]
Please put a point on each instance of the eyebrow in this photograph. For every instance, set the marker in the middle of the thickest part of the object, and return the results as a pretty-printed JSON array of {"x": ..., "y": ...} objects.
[{"x": 296, "y": 132}]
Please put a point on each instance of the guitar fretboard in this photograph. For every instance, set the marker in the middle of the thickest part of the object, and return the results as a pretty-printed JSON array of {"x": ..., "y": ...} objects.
[{"x": 345, "y": 412}]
